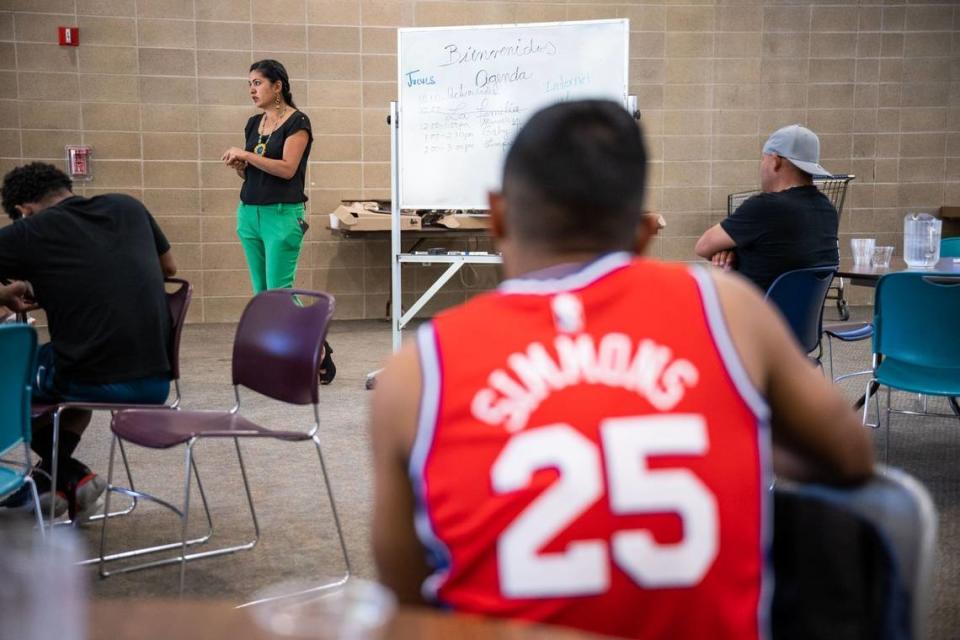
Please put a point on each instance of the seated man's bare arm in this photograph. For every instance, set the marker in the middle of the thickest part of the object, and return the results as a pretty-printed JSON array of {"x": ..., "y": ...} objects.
[
  {"x": 167, "y": 264},
  {"x": 713, "y": 241},
  {"x": 17, "y": 297},
  {"x": 399, "y": 556},
  {"x": 816, "y": 433}
]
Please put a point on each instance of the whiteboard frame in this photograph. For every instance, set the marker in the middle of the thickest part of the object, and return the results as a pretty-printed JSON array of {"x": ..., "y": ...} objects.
[
  {"x": 624, "y": 97},
  {"x": 398, "y": 319}
]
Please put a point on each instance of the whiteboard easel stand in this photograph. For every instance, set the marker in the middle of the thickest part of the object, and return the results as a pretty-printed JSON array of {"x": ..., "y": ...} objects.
[{"x": 398, "y": 319}]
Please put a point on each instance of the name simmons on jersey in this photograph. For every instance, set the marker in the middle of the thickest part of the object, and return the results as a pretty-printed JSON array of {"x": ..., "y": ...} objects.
[{"x": 643, "y": 367}]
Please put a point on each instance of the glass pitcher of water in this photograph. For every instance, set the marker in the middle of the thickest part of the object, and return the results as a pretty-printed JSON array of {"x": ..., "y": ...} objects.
[{"x": 921, "y": 240}]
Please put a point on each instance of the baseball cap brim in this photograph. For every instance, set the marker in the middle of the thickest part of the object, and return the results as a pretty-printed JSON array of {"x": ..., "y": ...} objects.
[{"x": 812, "y": 168}]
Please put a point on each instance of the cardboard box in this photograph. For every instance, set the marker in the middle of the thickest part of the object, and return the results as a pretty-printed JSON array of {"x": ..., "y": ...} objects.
[
  {"x": 465, "y": 221},
  {"x": 360, "y": 217},
  {"x": 482, "y": 220},
  {"x": 951, "y": 221}
]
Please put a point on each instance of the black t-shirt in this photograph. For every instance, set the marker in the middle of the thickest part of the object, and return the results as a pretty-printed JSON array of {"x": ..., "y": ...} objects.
[
  {"x": 95, "y": 269},
  {"x": 782, "y": 231},
  {"x": 259, "y": 187}
]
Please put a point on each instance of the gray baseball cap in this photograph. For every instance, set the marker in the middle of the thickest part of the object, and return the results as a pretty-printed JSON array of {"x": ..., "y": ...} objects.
[{"x": 800, "y": 146}]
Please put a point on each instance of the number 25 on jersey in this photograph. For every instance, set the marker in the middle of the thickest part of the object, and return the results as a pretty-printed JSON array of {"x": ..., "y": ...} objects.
[{"x": 583, "y": 568}]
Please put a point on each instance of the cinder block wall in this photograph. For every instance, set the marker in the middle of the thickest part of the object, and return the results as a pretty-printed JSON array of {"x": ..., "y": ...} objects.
[{"x": 158, "y": 88}]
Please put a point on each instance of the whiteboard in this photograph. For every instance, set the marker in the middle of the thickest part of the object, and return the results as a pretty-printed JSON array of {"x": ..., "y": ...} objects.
[{"x": 464, "y": 92}]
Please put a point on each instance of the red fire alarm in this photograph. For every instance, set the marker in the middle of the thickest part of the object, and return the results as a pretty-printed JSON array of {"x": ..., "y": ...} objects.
[
  {"x": 69, "y": 36},
  {"x": 78, "y": 162}
]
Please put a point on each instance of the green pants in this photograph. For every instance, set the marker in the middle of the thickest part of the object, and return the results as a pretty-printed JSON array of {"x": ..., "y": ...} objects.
[{"x": 271, "y": 238}]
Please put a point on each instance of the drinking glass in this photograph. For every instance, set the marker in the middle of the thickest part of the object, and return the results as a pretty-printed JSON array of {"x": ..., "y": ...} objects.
[
  {"x": 43, "y": 593},
  {"x": 881, "y": 257},
  {"x": 862, "y": 250},
  {"x": 356, "y": 610}
]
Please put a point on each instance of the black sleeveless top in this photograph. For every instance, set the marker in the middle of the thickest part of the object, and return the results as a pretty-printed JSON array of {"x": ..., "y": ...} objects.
[{"x": 260, "y": 187}]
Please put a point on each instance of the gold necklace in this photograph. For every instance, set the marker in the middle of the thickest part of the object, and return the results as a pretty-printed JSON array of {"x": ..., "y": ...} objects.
[{"x": 261, "y": 147}]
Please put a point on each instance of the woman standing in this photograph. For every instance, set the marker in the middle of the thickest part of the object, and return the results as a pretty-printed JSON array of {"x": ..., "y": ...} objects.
[{"x": 273, "y": 165}]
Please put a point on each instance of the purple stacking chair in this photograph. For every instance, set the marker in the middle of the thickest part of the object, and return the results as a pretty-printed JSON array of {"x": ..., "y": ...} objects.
[
  {"x": 276, "y": 352},
  {"x": 178, "y": 302}
]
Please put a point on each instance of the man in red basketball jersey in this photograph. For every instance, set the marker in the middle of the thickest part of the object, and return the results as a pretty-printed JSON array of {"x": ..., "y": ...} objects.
[{"x": 592, "y": 444}]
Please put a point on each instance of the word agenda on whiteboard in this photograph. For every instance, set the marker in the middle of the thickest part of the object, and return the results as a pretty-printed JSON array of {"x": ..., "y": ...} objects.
[{"x": 464, "y": 92}]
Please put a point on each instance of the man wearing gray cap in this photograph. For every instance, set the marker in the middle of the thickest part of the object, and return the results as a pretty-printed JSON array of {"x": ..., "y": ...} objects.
[{"x": 791, "y": 225}]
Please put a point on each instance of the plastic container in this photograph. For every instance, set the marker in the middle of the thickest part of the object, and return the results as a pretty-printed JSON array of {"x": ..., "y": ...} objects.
[
  {"x": 882, "y": 256},
  {"x": 356, "y": 610},
  {"x": 921, "y": 240},
  {"x": 862, "y": 249}
]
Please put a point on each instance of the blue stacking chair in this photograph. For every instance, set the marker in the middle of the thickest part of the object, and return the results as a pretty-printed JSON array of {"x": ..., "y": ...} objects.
[
  {"x": 846, "y": 332},
  {"x": 18, "y": 352},
  {"x": 950, "y": 247},
  {"x": 916, "y": 345},
  {"x": 799, "y": 295}
]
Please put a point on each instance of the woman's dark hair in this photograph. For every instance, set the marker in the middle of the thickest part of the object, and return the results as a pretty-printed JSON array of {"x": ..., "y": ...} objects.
[
  {"x": 31, "y": 183},
  {"x": 274, "y": 71}
]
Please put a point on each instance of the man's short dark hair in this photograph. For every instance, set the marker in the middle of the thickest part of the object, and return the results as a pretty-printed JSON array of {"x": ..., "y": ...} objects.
[
  {"x": 32, "y": 183},
  {"x": 574, "y": 178}
]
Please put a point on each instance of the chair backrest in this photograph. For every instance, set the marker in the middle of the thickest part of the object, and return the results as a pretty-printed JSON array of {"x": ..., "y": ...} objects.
[
  {"x": 899, "y": 509},
  {"x": 178, "y": 301},
  {"x": 799, "y": 295},
  {"x": 835, "y": 188},
  {"x": 915, "y": 318},
  {"x": 950, "y": 247},
  {"x": 18, "y": 352},
  {"x": 277, "y": 347}
]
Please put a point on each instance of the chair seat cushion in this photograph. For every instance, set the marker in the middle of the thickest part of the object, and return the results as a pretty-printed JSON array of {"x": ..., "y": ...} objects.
[
  {"x": 164, "y": 428},
  {"x": 849, "y": 331},
  {"x": 10, "y": 479},
  {"x": 935, "y": 381}
]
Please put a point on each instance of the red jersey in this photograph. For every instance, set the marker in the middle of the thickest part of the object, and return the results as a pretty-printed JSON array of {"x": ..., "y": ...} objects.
[{"x": 591, "y": 453}]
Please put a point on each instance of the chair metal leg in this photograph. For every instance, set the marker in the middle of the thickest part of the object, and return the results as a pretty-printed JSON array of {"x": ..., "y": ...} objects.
[
  {"x": 182, "y": 558},
  {"x": 886, "y": 440},
  {"x": 185, "y": 515},
  {"x": 148, "y": 550},
  {"x": 876, "y": 402},
  {"x": 54, "y": 462},
  {"x": 203, "y": 500},
  {"x": 830, "y": 355},
  {"x": 126, "y": 466},
  {"x": 37, "y": 509},
  {"x": 852, "y": 375},
  {"x": 343, "y": 547},
  {"x": 866, "y": 404},
  {"x": 106, "y": 508},
  {"x": 333, "y": 505},
  {"x": 246, "y": 488}
]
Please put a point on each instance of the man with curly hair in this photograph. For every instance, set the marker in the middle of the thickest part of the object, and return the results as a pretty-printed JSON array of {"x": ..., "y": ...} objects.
[{"x": 96, "y": 267}]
